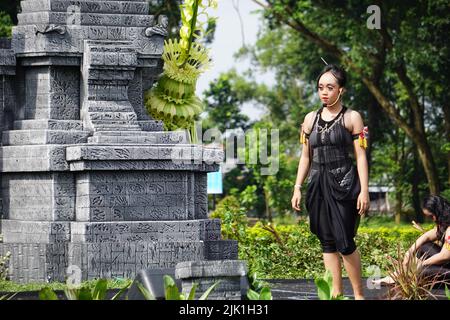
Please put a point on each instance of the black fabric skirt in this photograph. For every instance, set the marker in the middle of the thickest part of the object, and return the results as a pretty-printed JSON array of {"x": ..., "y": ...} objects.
[
  {"x": 331, "y": 201},
  {"x": 434, "y": 272}
]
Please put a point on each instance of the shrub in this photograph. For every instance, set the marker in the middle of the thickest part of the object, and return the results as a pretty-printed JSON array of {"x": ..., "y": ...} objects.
[
  {"x": 4, "y": 264},
  {"x": 292, "y": 251}
]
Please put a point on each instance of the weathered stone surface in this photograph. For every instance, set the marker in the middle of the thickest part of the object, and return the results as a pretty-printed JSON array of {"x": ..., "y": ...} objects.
[
  {"x": 48, "y": 124},
  {"x": 206, "y": 273},
  {"x": 138, "y": 165},
  {"x": 40, "y": 137},
  {"x": 161, "y": 231},
  {"x": 39, "y": 196},
  {"x": 177, "y": 153},
  {"x": 52, "y": 92},
  {"x": 36, "y": 262},
  {"x": 14, "y": 231},
  {"x": 89, "y": 180},
  {"x": 44, "y": 262},
  {"x": 34, "y": 158}
]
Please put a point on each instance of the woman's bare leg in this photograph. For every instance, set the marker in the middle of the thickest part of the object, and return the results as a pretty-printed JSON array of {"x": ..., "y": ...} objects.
[
  {"x": 332, "y": 262},
  {"x": 352, "y": 264}
]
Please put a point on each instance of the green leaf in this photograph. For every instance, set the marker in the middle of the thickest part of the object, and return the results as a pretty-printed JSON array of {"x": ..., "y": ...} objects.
[
  {"x": 121, "y": 291},
  {"x": 208, "y": 292},
  {"x": 99, "y": 292},
  {"x": 192, "y": 293},
  {"x": 323, "y": 289},
  {"x": 265, "y": 294},
  {"x": 171, "y": 289},
  {"x": 252, "y": 295},
  {"x": 146, "y": 293},
  {"x": 47, "y": 294},
  {"x": 71, "y": 294},
  {"x": 447, "y": 292},
  {"x": 84, "y": 294}
]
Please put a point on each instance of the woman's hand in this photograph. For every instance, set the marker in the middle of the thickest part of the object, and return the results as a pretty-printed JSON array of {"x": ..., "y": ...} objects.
[
  {"x": 363, "y": 202},
  {"x": 296, "y": 198}
]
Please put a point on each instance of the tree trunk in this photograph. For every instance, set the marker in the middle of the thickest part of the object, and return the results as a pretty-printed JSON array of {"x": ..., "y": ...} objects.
[
  {"x": 446, "y": 109},
  {"x": 398, "y": 206},
  {"x": 415, "y": 189},
  {"x": 415, "y": 180},
  {"x": 266, "y": 199},
  {"x": 397, "y": 180}
]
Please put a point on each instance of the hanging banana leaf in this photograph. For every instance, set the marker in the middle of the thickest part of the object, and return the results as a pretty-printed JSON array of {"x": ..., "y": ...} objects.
[{"x": 173, "y": 99}]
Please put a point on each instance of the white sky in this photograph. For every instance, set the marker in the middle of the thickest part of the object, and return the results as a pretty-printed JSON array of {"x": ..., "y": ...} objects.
[{"x": 228, "y": 40}]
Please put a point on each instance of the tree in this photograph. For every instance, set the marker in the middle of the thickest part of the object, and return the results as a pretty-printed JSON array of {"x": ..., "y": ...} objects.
[
  {"x": 223, "y": 102},
  {"x": 373, "y": 54},
  {"x": 11, "y": 8},
  {"x": 5, "y": 25}
]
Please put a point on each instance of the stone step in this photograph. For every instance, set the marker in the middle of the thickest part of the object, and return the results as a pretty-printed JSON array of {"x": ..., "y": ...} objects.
[
  {"x": 160, "y": 152},
  {"x": 123, "y": 139},
  {"x": 117, "y": 128},
  {"x": 110, "y": 107},
  {"x": 151, "y": 125},
  {"x": 113, "y": 116},
  {"x": 141, "y": 137},
  {"x": 34, "y": 137},
  {"x": 161, "y": 231},
  {"x": 49, "y": 124}
]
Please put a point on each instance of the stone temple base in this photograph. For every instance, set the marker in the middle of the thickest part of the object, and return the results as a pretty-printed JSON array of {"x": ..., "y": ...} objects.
[{"x": 45, "y": 262}]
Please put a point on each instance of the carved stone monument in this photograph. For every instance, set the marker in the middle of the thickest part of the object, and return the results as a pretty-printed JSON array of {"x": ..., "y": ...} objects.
[{"x": 88, "y": 178}]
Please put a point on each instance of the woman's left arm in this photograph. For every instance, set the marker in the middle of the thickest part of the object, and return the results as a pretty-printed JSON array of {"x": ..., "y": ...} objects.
[
  {"x": 363, "y": 202},
  {"x": 443, "y": 256}
]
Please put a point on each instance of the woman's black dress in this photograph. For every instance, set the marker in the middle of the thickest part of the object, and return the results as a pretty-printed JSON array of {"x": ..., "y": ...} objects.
[{"x": 333, "y": 185}]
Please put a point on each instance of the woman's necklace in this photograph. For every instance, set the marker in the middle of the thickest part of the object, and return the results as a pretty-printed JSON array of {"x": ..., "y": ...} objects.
[{"x": 328, "y": 125}]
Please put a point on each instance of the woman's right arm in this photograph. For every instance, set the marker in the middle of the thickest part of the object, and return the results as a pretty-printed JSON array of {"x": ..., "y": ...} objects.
[
  {"x": 303, "y": 166},
  {"x": 428, "y": 236}
]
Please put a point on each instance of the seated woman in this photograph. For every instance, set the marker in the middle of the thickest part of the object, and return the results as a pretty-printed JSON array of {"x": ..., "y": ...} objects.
[{"x": 434, "y": 258}]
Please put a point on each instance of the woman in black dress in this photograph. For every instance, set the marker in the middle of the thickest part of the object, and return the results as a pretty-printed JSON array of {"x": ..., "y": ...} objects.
[{"x": 337, "y": 191}]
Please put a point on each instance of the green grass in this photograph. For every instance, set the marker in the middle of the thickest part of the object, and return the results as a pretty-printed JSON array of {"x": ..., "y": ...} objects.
[{"x": 10, "y": 286}]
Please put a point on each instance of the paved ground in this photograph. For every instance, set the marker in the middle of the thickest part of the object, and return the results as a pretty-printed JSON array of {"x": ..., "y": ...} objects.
[
  {"x": 282, "y": 289},
  {"x": 302, "y": 289}
]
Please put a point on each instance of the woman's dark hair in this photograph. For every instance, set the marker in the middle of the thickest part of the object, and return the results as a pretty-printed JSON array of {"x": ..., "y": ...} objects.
[
  {"x": 440, "y": 208},
  {"x": 337, "y": 72}
]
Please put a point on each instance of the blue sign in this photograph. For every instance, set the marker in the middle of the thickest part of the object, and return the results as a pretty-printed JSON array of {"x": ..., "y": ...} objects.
[{"x": 215, "y": 182}]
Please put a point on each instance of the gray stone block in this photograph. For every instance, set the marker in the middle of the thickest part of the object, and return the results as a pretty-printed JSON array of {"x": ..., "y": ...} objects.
[
  {"x": 151, "y": 125},
  {"x": 36, "y": 262},
  {"x": 221, "y": 250},
  {"x": 39, "y": 137},
  {"x": 39, "y": 196},
  {"x": 34, "y": 158},
  {"x": 162, "y": 231},
  {"x": 48, "y": 124},
  {"x": 207, "y": 273},
  {"x": 130, "y": 165}
]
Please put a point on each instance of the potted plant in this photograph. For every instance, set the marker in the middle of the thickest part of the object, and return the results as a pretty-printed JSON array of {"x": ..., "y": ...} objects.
[{"x": 173, "y": 98}]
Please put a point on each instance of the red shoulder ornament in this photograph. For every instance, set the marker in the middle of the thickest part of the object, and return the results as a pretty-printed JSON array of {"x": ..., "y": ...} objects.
[{"x": 363, "y": 136}]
